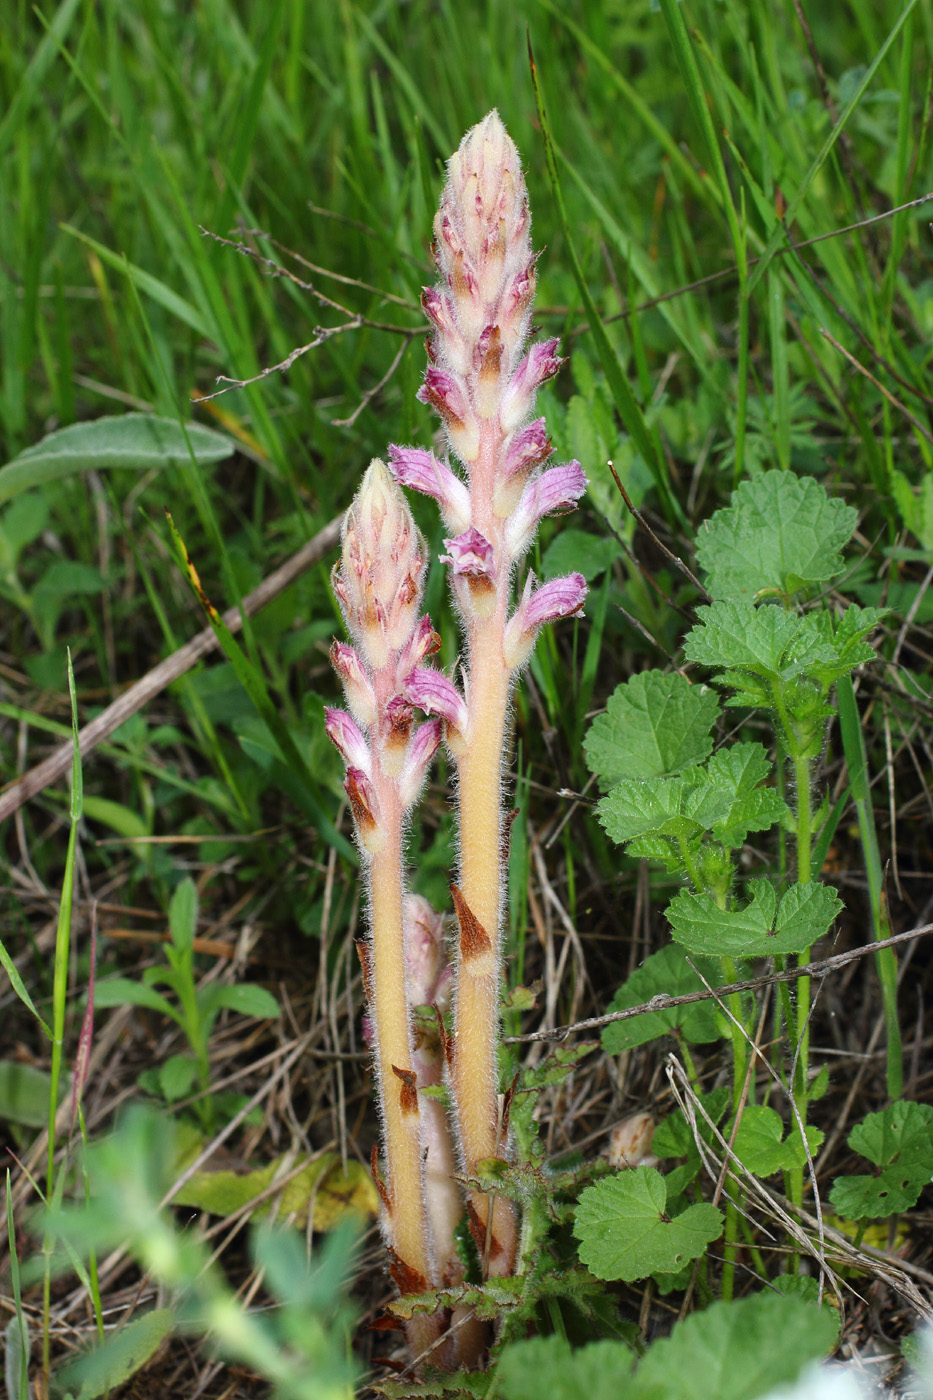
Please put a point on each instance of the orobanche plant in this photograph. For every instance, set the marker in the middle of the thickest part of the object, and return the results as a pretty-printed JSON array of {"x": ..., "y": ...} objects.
[{"x": 483, "y": 383}]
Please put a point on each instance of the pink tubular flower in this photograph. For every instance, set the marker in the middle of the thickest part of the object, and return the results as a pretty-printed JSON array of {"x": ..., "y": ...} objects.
[
  {"x": 561, "y": 597},
  {"x": 422, "y": 747},
  {"x": 444, "y": 392},
  {"x": 356, "y": 683},
  {"x": 528, "y": 449},
  {"x": 345, "y": 735},
  {"x": 539, "y": 365},
  {"x": 436, "y": 694},
  {"x": 423, "y": 642},
  {"x": 471, "y": 554},
  {"x": 418, "y": 468},
  {"x": 556, "y": 489}
]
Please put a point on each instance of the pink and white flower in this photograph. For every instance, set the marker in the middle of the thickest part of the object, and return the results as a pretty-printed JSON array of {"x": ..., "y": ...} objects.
[
  {"x": 561, "y": 597},
  {"x": 344, "y": 733},
  {"x": 471, "y": 555},
  {"x": 418, "y": 468},
  {"x": 559, "y": 488}
]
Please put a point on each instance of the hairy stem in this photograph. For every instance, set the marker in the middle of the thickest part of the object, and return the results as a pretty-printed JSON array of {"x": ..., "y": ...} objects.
[
  {"x": 476, "y": 1024},
  {"x": 406, "y": 1225}
]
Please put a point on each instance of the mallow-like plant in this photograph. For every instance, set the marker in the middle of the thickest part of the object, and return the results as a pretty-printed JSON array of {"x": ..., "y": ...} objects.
[{"x": 492, "y": 491}]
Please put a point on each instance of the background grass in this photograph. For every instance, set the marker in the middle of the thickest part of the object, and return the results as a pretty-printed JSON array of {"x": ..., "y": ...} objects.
[{"x": 682, "y": 135}]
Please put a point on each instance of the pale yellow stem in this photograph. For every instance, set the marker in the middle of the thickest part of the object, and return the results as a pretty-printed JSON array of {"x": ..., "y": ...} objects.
[
  {"x": 476, "y": 1024},
  {"x": 407, "y": 1223}
]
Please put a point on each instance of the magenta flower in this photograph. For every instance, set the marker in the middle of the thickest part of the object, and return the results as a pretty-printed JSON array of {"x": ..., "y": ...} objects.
[
  {"x": 422, "y": 747},
  {"x": 471, "y": 555},
  {"x": 561, "y": 597},
  {"x": 420, "y": 469},
  {"x": 344, "y": 733},
  {"x": 357, "y": 686},
  {"x": 558, "y": 488},
  {"x": 436, "y": 694}
]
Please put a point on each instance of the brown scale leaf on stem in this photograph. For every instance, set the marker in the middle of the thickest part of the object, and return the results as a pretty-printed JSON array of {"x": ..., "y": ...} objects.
[
  {"x": 409, "y": 1090},
  {"x": 474, "y": 940},
  {"x": 377, "y": 1178}
]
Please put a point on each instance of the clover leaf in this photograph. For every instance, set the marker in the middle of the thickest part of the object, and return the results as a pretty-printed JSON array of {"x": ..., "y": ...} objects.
[
  {"x": 655, "y": 724},
  {"x": 760, "y": 1144},
  {"x": 781, "y": 533},
  {"x": 761, "y": 928},
  {"x": 624, "y": 1233},
  {"x": 665, "y": 971},
  {"x": 899, "y": 1141}
]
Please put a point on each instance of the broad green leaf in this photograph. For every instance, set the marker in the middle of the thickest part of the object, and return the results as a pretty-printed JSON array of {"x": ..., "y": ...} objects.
[
  {"x": 320, "y": 1185},
  {"x": 673, "y": 1137},
  {"x": 176, "y": 1077},
  {"x": 760, "y": 1144},
  {"x": 20, "y": 524},
  {"x": 656, "y": 724},
  {"x": 119, "y": 1357},
  {"x": 669, "y": 972},
  {"x": 623, "y": 1233},
  {"x": 183, "y": 915},
  {"x": 122, "y": 991},
  {"x": 245, "y": 997},
  {"x": 737, "y": 802},
  {"x": 899, "y": 1140},
  {"x": 635, "y": 808},
  {"x": 138, "y": 440},
  {"x": 761, "y": 928},
  {"x": 781, "y": 532},
  {"x": 24, "y": 1094},
  {"x": 740, "y": 636},
  {"x": 736, "y": 1350},
  {"x": 595, "y": 1371},
  {"x": 903, "y": 1131}
]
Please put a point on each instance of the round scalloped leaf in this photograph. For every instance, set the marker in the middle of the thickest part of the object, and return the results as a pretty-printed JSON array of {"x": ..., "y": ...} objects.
[
  {"x": 595, "y": 1371},
  {"x": 624, "y": 1234},
  {"x": 655, "y": 725},
  {"x": 665, "y": 971},
  {"x": 780, "y": 532},
  {"x": 737, "y": 1350},
  {"x": 894, "y": 1190},
  {"x": 760, "y": 1144}
]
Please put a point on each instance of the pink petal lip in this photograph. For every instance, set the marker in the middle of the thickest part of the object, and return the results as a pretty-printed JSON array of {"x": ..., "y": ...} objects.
[
  {"x": 419, "y": 469},
  {"x": 436, "y": 694},
  {"x": 443, "y": 392},
  {"x": 561, "y": 597},
  {"x": 470, "y": 554},
  {"x": 556, "y": 489},
  {"x": 528, "y": 448}
]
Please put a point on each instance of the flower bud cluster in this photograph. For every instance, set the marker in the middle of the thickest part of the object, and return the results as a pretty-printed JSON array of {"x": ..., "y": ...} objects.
[{"x": 379, "y": 583}]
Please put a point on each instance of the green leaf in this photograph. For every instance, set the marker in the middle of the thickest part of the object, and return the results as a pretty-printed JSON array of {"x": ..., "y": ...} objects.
[
  {"x": 665, "y": 971},
  {"x": 673, "y": 1137},
  {"x": 119, "y": 1357},
  {"x": 741, "y": 636},
  {"x": 245, "y": 997},
  {"x": 735, "y": 1351},
  {"x": 655, "y": 724},
  {"x": 781, "y": 532},
  {"x": 761, "y": 928},
  {"x": 760, "y": 1144},
  {"x": 138, "y": 440},
  {"x": 183, "y": 915},
  {"x": 19, "y": 987},
  {"x": 123, "y": 820},
  {"x": 596, "y": 1371},
  {"x": 122, "y": 991},
  {"x": 24, "y": 1094},
  {"x": 624, "y": 1234},
  {"x": 176, "y": 1077},
  {"x": 736, "y": 804},
  {"x": 899, "y": 1140}
]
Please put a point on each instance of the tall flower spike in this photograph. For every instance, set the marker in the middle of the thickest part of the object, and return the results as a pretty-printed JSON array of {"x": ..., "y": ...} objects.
[{"x": 483, "y": 385}]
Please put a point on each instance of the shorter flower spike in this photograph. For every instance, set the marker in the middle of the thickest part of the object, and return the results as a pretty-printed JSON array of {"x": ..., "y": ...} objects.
[
  {"x": 379, "y": 582},
  {"x": 561, "y": 597},
  {"x": 344, "y": 734},
  {"x": 420, "y": 469},
  {"x": 556, "y": 489}
]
